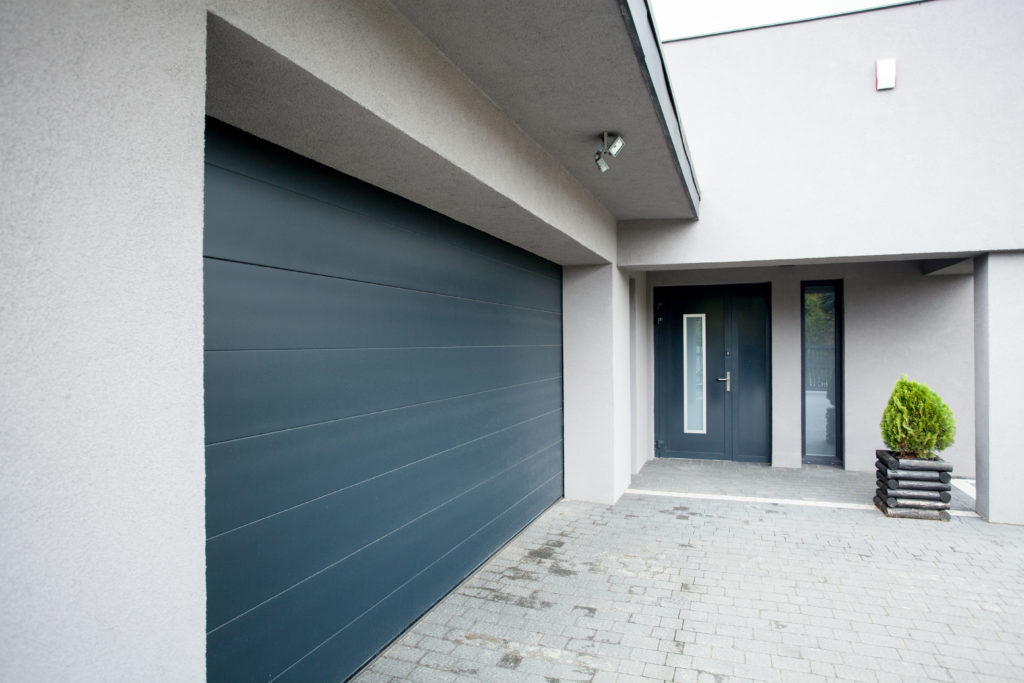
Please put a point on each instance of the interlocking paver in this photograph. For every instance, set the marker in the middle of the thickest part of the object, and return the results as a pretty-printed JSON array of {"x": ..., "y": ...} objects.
[
  {"x": 693, "y": 589},
  {"x": 406, "y": 653}
]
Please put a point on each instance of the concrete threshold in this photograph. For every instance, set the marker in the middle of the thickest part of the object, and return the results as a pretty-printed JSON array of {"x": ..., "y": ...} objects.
[{"x": 777, "y": 501}]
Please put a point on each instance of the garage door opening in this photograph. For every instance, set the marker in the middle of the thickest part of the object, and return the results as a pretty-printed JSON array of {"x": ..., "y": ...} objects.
[{"x": 383, "y": 409}]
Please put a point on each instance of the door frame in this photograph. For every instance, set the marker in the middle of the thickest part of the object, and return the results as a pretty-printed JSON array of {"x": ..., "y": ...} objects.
[
  {"x": 726, "y": 290},
  {"x": 839, "y": 370}
]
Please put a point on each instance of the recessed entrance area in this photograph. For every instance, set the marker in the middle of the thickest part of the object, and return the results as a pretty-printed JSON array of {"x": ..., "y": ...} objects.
[
  {"x": 712, "y": 372},
  {"x": 821, "y": 335}
]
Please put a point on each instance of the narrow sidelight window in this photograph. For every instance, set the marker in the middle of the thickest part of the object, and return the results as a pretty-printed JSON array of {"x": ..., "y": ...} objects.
[
  {"x": 694, "y": 363},
  {"x": 822, "y": 372}
]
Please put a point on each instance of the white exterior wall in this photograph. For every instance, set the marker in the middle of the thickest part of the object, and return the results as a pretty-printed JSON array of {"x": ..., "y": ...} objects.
[
  {"x": 900, "y": 323},
  {"x": 799, "y": 157},
  {"x": 801, "y": 161},
  {"x": 999, "y": 328},
  {"x": 895, "y": 321},
  {"x": 622, "y": 394},
  {"x": 787, "y": 391},
  {"x": 101, "y": 341},
  {"x": 641, "y": 372},
  {"x": 596, "y": 383}
]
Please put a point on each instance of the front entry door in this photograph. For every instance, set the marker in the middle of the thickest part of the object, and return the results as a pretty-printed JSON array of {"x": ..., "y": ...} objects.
[{"x": 712, "y": 372}]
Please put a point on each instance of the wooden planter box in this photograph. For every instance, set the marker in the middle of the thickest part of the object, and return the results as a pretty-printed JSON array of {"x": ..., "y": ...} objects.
[{"x": 908, "y": 487}]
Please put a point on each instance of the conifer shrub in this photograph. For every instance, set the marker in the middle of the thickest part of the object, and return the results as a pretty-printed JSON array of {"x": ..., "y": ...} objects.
[{"x": 916, "y": 422}]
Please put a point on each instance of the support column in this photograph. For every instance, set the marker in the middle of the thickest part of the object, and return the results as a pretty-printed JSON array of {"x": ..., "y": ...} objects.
[
  {"x": 787, "y": 443},
  {"x": 998, "y": 377},
  {"x": 595, "y": 339},
  {"x": 101, "y": 342},
  {"x": 641, "y": 358}
]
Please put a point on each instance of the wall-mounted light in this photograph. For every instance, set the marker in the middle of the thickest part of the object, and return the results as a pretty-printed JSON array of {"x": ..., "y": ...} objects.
[{"x": 610, "y": 144}]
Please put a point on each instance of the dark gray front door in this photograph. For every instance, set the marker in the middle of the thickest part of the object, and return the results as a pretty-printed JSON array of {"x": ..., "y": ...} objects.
[
  {"x": 712, "y": 372},
  {"x": 383, "y": 409}
]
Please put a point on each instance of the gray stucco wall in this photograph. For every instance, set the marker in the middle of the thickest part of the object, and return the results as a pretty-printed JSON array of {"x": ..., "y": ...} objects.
[
  {"x": 900, "y": 322},
  {"x": 896, "y": 321},
  {"x": 799, "y": 157},
  {"x": 101, "y": 336},
  {"x": 999, "y": 327}
]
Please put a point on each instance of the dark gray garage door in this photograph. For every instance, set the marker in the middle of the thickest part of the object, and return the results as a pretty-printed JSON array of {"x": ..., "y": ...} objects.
[{"x": 383, "y": 409}]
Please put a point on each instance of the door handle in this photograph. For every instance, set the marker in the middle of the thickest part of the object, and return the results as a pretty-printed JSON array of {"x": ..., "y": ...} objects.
[{"x": 727, "y": 379}]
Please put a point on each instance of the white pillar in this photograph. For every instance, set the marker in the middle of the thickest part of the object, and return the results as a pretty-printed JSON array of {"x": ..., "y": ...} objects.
[
  {"x": 101, "y": 342},
  {"x": 596, "y": 372},
  {"x": 998, "y": 378},
  {"x": 641, "y": 357},
  {"x": 787, "y": 444}
]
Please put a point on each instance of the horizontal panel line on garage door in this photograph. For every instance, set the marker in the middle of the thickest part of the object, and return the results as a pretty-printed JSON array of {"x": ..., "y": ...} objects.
[
  {"x": 383, "y": 411},
  {"x": 418, "y": 574},
  {"x": 230, "y": 151},
  {"x": 256, "y": 307},
  {"x": 542, "y": 451},
  {"x": 294, "y": 545},
  {"x": 250, "y": 392},
  {"x": 384, "y": 474},
  {"x": 380, "y": 284},
  {"x": 353, "y": 196},
  {"x": 251, "y": 478},
  {"x": 338, "y": 240},
  {"x": 376, "y": 215}
]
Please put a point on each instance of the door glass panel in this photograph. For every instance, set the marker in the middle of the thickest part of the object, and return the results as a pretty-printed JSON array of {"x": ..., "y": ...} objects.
[
  {"x": 694, "y": 363},
  {"x": 820, "y": 399}
]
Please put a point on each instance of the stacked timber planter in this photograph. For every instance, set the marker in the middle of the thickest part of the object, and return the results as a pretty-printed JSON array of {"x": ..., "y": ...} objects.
[{"x": 912, "y": 487}]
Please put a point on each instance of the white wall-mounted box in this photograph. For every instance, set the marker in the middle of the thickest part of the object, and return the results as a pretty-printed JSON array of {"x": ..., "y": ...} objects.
[{"x": 885, "y": 74}]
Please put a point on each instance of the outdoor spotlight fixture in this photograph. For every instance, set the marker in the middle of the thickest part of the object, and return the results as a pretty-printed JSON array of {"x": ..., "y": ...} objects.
[{"x": 610, "y": 144}]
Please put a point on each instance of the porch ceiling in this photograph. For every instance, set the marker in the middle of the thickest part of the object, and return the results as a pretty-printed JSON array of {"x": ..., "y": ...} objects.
[{"x": 564, "y": 72}]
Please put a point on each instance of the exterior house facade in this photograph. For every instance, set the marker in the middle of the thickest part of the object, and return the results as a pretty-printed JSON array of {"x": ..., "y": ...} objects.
[
  {"x": 810, "y": 174},
  {"x": 310, "y": 306}
]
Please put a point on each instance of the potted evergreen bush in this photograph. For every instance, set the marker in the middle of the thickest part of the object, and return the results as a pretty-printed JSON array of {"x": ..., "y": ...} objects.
[{"x": 912, "y": 480}]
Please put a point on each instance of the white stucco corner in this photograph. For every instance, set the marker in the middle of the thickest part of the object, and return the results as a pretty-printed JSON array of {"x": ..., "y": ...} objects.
[
  {"x": 786, "y": 377},
  {"x": 999, "y": 372},
  {"x": 101, "y": 335},
  {"x": 596, "y": 381}
]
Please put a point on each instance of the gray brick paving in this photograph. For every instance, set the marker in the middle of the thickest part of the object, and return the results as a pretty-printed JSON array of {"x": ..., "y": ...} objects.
[{"x": 681, "y": 589}]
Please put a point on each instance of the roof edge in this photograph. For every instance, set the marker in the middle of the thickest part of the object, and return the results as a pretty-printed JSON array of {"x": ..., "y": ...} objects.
[
  {"x": 786, "y": 22},
  {"x": 646, "y": 44}
]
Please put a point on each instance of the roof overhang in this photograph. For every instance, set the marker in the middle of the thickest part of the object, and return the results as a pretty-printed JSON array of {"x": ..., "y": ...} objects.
[
  {"x": 566, "y": 71},
  {"x": 488, "y": 113}
]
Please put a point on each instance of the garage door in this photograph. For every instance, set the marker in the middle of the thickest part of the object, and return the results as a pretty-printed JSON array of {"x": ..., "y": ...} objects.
[{"x": 383, "y": 409}]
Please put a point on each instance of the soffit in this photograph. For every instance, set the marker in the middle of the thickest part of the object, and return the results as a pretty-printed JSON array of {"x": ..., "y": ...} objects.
[{"x": 564, "y": 72}]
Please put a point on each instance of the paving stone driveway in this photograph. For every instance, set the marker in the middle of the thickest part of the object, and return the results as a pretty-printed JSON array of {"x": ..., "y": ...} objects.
[{"x": 661, "y": 588}]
